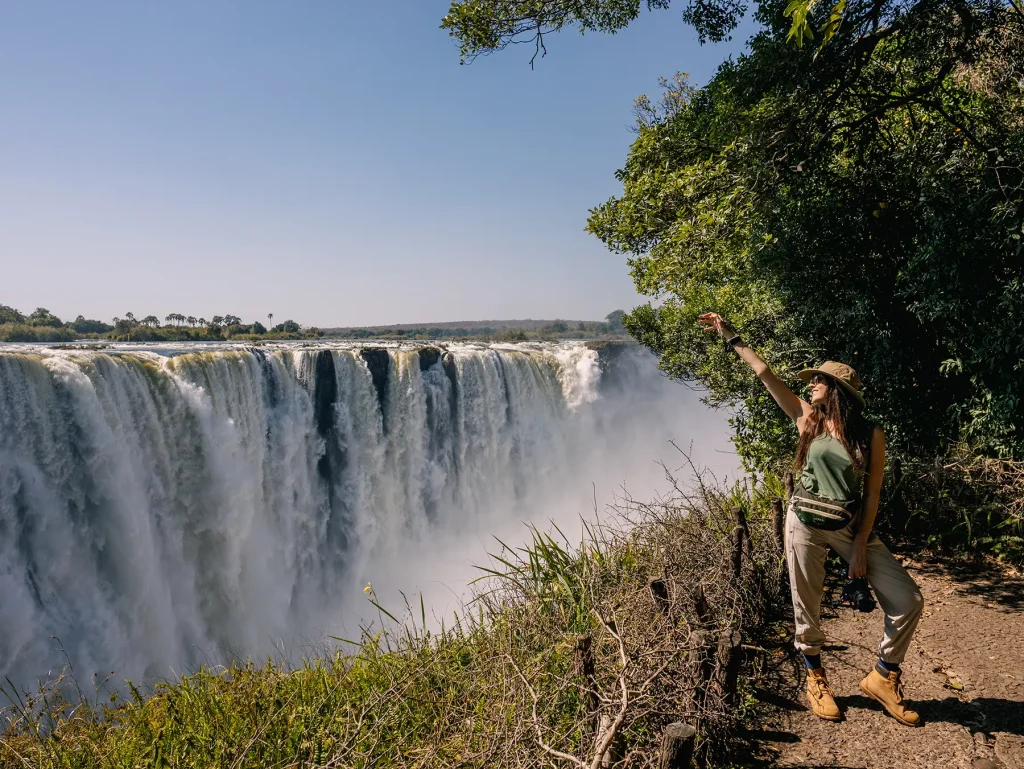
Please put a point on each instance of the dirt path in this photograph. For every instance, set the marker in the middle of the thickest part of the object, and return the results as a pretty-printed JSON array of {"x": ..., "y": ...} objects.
[{"x": 964, "y": 674}]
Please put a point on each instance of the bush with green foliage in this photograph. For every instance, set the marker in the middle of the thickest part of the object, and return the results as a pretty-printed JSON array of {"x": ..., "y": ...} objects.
[
  {"x": 859, "y": 199},
  {"x": 43, "y": 317},
  {"x": 23, "y": 332},
  {"x": 85, "y": 326},
  {"x": 10, "y": 315}
]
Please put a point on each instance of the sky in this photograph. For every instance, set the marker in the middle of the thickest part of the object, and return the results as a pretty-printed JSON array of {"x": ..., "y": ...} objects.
[{"x": 320, "y": 160}]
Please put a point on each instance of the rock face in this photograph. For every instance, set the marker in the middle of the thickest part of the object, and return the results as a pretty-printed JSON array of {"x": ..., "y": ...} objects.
[
  {"x": 333, "y": 460},
  {"x": 325, "y": 392},
  {"x": 379, "y": 363},
  {"x": 448, "y": 361},
  {"x": 428, "y": 357}
]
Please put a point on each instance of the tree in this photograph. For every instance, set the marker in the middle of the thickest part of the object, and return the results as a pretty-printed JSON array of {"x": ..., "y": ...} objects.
[
  {"x": 43, "y": 317},
  {"x": 82, "y": 325},
  {"x": 509, "y": 335},
  {"x": 258, "y": 328},
  {"x": 202, "y": 322},
  {"x": 614, "y": 320},
  {"x": 191, "y": 320},
  {"x": 288, "y": 327},
  {"x": 486, "y": 26},
  {"x": 10, "y": 315},
  {"x": 270, "y": 319},
  {"x": 232, "y": 320},
  {"x": 862, "y": 202},
  {"x": 217, "y": 320},
  {"x": 151, "y": 320}
]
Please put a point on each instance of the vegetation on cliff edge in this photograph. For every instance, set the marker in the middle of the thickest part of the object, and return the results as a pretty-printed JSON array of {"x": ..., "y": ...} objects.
[{"x": 499, "y": 685}]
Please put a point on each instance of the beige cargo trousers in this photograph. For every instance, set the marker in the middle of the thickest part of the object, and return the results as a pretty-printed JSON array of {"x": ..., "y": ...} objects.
[{"x": 895, "y": 589}]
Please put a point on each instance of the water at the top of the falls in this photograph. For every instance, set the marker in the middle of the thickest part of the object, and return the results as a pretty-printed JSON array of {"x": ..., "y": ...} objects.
[{"x": 165, "y": 506}]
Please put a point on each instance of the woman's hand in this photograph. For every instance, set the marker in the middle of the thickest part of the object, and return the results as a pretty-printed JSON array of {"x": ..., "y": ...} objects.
[
  {"x": 858, "y": 559},
  {"x": 712, "y": 321}
]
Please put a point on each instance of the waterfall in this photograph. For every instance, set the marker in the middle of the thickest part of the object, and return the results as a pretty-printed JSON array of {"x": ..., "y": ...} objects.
[{"x": 161, "y": 509}]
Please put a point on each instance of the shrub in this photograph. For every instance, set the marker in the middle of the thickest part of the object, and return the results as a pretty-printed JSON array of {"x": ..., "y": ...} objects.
[{"x": 20, "y": 332}]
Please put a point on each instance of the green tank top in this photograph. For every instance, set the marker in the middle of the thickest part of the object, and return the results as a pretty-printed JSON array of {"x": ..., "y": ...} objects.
[{"x": 829, "y": 471}]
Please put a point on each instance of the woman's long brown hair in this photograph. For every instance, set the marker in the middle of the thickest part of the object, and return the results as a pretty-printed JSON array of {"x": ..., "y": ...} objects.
[{"x": 847, "y": 418}]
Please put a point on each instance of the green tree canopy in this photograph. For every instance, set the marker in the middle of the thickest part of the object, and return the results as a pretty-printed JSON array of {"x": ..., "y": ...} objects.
[
  {"x": 861, "y": 203},
  {"x": 486, "y": 26},
  {"x": 43, "y": 317},
  {"x": 83, "y": 325},
  {"x": 10, "y": 315},
  {"x": 614, "y": 319}
]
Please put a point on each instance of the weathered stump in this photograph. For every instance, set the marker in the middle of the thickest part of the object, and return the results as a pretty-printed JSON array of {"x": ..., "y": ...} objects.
[
  {"x": 677, "y": 746},
  {"x": 700, "y": 606},
  {"x": 737, "y": 553},
  {"x": 659, "y": 592},
  {"x": 729, "y": 658},
  {"x": 702, "y": 662},
  {"x": 779, "y": 525},
  {"x": 585, "y": 666}
]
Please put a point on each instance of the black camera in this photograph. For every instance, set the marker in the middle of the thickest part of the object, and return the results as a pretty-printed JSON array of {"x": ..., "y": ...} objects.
[{"x": 857, "y": 593}]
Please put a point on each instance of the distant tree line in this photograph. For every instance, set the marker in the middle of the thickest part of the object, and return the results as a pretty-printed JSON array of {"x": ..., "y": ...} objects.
[
  {"x": 43, "y": 326},
  {"x": 556, "y": 329}
]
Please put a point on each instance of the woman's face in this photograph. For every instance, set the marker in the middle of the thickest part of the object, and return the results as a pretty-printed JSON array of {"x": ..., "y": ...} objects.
[{"x": 819, "y": 389}]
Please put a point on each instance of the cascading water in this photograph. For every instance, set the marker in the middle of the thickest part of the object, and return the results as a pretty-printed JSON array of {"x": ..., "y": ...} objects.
[{"x": 160, "y": 509}]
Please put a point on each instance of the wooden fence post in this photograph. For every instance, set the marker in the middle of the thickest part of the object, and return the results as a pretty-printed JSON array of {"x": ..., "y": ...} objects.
[
  {"x": 729, "y": 643},
  {"x": 659, "y": 592},
  {"x": 702, "y": 661},
  {"x": 779, "y": 531},
  {"x": 779, "y": 525},
  {"x": 585, "y": 661},
  {"x": 737, "y": 544},
  {"x": 700, "y": 606},
  {"x": 677, "y": 746},
  {"x": 729, "y": 656}
]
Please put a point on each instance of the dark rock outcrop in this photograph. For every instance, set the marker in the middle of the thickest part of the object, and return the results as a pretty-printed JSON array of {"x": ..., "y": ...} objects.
[
  {"x": 325, "y": 392},
  {"x": 428, "y": 357},
  {"x": 379, "y": 363}
]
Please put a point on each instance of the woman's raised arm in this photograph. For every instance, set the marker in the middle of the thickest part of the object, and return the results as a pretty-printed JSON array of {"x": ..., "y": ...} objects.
[{"x": 794, "y": 407}]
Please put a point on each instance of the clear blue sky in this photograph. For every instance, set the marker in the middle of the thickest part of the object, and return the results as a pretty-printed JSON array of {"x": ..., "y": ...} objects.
[{"x": 323, "y": 160}]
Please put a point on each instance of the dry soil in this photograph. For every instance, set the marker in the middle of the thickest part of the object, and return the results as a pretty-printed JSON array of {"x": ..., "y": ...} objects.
[{"x": 964, "y": 675}]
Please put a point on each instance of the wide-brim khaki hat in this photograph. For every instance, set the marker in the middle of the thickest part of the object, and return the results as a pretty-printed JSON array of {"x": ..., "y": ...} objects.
[{"x": 841, "y": 373}]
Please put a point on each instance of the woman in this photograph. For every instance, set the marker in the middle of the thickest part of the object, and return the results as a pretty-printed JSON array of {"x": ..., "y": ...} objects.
[{"x": 840, "y": 459}]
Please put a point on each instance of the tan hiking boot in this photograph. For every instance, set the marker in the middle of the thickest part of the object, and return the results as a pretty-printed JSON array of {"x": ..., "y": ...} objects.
[
  {"x": 886, "y": 687},
  {"x": 820, "y": 696}
]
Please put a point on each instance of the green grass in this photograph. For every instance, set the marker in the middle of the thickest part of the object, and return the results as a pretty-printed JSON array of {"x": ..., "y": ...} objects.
[{"x": 484, "y": 688}]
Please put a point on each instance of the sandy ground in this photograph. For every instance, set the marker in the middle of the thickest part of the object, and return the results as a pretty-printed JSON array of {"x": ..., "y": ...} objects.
[{"x": 964, "y": 675}]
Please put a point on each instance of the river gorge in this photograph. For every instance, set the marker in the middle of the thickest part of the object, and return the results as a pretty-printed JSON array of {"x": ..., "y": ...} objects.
[{"x": 165, "y": 508}]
